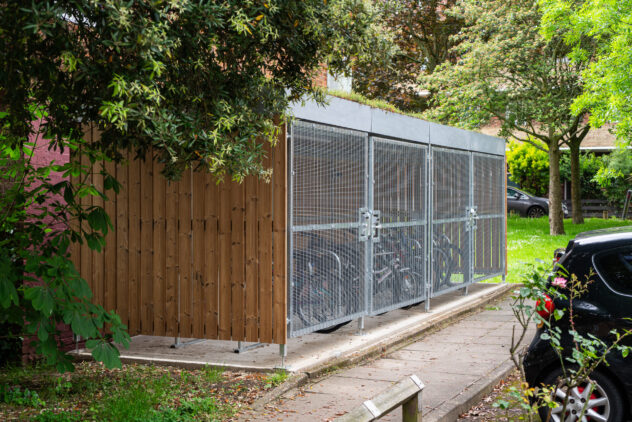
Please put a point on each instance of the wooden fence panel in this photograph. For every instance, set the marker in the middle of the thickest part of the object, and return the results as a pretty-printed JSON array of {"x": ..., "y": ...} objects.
[
  {"x": 184, "y": 254},
  {"x": 122, "y": 244},
  {"x": 194, "y": 258},
  {"x": 199, "y": 246},
  {"x": 159, "y": 250},
  {"x": 172, "y": 298},
  {"x": 211, "y": 257},
  {"x": 147, "y": 275},
  {"x": 110, "y": 287}
]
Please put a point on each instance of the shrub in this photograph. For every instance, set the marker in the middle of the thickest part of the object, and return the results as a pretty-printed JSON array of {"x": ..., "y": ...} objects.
[{"x": 529, "y": 167}]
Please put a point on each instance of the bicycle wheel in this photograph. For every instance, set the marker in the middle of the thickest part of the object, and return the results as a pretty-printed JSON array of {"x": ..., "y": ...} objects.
[
  {"x": 442, "y": 269},
  {"x": 318, "y": 301}
]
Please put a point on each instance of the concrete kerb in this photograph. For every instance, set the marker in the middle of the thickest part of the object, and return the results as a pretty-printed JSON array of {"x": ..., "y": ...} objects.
[{"x": 450, "y": 410}]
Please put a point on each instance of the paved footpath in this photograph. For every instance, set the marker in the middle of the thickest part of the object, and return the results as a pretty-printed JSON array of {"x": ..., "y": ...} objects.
[{"x": 458, "y": 364}]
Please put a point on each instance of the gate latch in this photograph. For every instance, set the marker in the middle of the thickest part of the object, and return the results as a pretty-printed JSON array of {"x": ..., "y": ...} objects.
[
  {"x": 472, "y": 214},
  {"x": 376, "y": 226},
  {"x": 365, "y": 224}
]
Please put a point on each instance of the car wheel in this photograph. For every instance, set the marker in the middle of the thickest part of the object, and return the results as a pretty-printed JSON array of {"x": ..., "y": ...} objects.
[
  {"x": 535, "y": 212},
  {"x": 605, "y": 403}
]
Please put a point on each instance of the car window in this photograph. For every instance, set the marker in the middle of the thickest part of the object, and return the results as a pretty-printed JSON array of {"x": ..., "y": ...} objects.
[
  {"x": 511, "y": 193},
  {"x": 615, "y": 267}
]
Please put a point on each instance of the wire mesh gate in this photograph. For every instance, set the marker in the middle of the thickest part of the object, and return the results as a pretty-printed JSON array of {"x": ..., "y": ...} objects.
[{"x": 379, "y": 224}]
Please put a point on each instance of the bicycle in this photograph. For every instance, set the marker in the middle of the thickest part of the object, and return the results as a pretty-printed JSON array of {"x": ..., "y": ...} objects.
[
  {"x": 326, "y": 283},
  {"x": 446, "y": 257}
]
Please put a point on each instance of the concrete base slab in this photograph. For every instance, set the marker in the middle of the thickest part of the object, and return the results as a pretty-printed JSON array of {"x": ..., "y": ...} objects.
[{"x": 316, "y": 352}]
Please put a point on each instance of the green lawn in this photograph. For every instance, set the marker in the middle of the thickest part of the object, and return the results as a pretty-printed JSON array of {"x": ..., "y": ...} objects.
[{"x": 529, "y": 239}]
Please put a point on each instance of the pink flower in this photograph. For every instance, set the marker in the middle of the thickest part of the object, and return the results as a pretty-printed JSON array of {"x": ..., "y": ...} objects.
[{"x": 559, "y": 282}]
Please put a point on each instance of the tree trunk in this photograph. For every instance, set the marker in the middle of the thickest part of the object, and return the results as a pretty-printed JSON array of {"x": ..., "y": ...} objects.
[
  {"x": 576, "y": 187},
  {"x": 556, "y": 215}
]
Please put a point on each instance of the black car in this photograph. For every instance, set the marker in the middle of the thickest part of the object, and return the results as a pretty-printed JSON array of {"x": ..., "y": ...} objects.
[
  {"x": 528, "y": 205},
  {"x": 607, "y": 305}
]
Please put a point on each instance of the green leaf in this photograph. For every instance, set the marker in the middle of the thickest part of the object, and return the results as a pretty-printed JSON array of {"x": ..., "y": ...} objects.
[
  {"x": 8, "y": 292},
  {"x": 558, "y": 314},
  {"x": 42, "y": 332},
  {"x": 41, "y": 299},
  {"x": 83, "y": 326},
  {"x": 108, "y": 354}
]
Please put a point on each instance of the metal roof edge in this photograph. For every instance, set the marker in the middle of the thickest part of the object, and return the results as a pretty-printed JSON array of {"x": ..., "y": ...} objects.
[{"x": 353, "y": 115}]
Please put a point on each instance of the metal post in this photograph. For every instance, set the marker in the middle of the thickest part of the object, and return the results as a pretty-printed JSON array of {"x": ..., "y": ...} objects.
[
  {"x": 472, "y": 223},
  {"x": 429, "y": 223},
  {"x": 360, "y": 331},
  {"x": 283, "y": 354},
  {"x": 504, "y": 279},
  {"x": 290, "y": 236},
  {"x": 368, "y": 258}
]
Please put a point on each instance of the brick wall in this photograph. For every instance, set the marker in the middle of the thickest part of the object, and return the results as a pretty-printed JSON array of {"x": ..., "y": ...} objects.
[
  {"x": 43, "y": 156},
  {"x": 321, "y": 77}
]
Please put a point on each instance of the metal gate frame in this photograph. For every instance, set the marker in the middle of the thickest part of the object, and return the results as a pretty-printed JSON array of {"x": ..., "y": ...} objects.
[
  {"x": 371, "y": 309},
  {"x": 402, "y": 130}
]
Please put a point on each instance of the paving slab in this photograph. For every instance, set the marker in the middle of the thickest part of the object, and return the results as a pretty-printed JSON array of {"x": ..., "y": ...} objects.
[{"x": 455, "y": 373}]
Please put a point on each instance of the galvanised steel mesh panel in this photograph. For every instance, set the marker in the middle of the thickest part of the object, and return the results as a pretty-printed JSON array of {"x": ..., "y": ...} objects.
[
  {"x": 451, "y": 266},
  {"x": 451, "y": 184},
  {"x": 489, "y": 237},
  {"x": 328, "y": 187},
  {"x": 399, "y": 268},
  {"x": 327, "y": 279},
  {"x": 451, "y": 220},
  {"x": 399, "y": 173},
  {"x": 399, "y": 250},
  {"x": 329, "y": 174}
]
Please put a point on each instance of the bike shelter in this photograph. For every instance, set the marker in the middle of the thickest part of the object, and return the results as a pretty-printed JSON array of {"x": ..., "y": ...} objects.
[
  {"x": 366, "y": 211},
  {"x": 387, "y": 211}
]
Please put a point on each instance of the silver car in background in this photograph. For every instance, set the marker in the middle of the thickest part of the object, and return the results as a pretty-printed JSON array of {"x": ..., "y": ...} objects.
[{"x": 528, "y": 205}]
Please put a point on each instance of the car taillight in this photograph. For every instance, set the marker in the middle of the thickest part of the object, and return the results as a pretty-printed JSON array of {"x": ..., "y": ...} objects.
[
  {"x": 547, "y": 309},
  {"x": 559, "y": 253}
]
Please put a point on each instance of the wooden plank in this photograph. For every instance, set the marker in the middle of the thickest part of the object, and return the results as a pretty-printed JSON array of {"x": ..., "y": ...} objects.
[
  {"x": 264, "y": 214},
  {"x": 225, "y": 251},
  {"x": 252, "y": 262},
  {"x": 86, "y": 252},
  {"x": 211, "y": 252},
  {"x": 122, "y": 243},
  {"x": 146, "y": 245},
  {"x": 75, "y": 248},
  {"x": 171, "y": 260},
  {"x": 134, "y": 245},
  {"x": 184, "y": 254},
  {"x": 199, "y": 241},
  {"x": 110, "y": 285},
  {"x": 97, "y": 256},
  {"x": 238, "y": 307},
  {"x": 280, "y": 240},
  {"x": 159, "y": 249}
]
